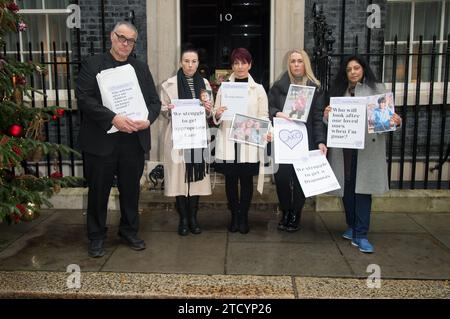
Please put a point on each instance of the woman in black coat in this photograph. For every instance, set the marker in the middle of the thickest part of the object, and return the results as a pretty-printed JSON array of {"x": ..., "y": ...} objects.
[{"x": 290, "y": 194}]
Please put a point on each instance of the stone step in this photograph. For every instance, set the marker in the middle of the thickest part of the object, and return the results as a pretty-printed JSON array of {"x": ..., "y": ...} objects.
[
  {"x": 267, "y": 201},
  {"x": 400, "y": 201}
]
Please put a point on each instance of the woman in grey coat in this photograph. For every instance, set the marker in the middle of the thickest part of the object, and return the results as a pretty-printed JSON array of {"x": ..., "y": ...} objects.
[{"x": 360, "y": 173}]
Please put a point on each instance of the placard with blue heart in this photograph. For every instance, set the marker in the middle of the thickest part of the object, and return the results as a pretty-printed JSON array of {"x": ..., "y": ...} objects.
[{"x": 290, "y": 141}]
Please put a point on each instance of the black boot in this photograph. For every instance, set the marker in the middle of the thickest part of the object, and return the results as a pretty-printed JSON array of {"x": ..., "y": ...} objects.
[
  {"x": 243, "y": 222},
  {"x": 284, "y": 220},
  {"x": 294, "y": 222},
  {"x": 234, "y": 226},
  {"x": 193, "y": 208},
  {"x": 182, "y": 207}
]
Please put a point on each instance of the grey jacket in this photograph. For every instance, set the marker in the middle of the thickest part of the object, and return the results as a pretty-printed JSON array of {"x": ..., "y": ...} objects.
[{"x": 371, "y": 175}]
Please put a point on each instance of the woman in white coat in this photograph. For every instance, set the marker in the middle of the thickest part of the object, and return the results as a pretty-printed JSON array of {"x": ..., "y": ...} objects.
[
  {"x": 239, "y": 162},
  {"x": 185, "y": 179}
]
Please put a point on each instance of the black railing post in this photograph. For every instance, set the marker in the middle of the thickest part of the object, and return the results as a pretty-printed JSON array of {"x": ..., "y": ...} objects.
[
  {"x": 381, "y": 56},
  {"x": 33, "y": 97},
  {"x": 69, "y": 107},
  {"x": 442, "y": 158},
  {"x": 369, "y": 39},
  {"x": 430, "y": 113},
  {"x": 404, "y": 113},
  {"x": 394, "y": 82},
  {"x": 323, "y": 46},
  {"x": 102, "y": 10},
  {"x": 56, "y": 89},
  {"x": 343, "y": 13},
  {"x": 44, "y": 91},
  {"x": 416, "y": 113},
  {"x": 78, "y": 33}
]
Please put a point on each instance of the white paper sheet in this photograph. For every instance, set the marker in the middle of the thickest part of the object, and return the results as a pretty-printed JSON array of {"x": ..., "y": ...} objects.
[
  {"x": 347, "y": 122},
  {"x": 235, "y": 98},
  {"x": 315, "y": 174},
  {"x": 188, "y": 124},
  {"x": 121, "y": 93},
  {"x": 290, "y": 140}
]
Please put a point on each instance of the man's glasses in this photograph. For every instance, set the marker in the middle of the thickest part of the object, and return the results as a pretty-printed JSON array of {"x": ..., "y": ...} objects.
[{"x": 123, "y": 39}]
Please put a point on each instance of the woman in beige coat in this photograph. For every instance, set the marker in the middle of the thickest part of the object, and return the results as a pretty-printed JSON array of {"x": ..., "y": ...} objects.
[
  {"x": 185, "y": 179},
  {"x": 240, "y": 162}
]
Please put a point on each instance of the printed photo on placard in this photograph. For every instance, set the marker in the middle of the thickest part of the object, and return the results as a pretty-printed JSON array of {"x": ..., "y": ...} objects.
[
  {"x": 249, "y": 130},
  {"x": 380, "y": 109},
  {"x": 298, "y": 102}
]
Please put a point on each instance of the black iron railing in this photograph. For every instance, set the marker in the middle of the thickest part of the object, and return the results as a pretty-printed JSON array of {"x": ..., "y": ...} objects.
[
  {"x": 421, "y": 146},
  {"x": 416, "y": 153}
]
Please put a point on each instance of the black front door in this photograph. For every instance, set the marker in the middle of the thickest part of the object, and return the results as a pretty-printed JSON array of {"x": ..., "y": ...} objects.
[{"x": 216, "y": 27}]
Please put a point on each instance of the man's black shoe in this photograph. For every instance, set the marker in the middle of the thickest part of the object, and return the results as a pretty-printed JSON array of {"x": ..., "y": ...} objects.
[
  {"x": 96, "y": 249},
  {"x": 133, "y": 241}
]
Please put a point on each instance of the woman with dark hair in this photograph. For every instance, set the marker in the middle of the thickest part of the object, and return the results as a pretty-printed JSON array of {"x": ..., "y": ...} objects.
[
  {"x": 361, "y": 173},
  {"x": 240, "y": 162},
  {"x": 186, "y": 173},
  {"x": 290, "y": 194}
]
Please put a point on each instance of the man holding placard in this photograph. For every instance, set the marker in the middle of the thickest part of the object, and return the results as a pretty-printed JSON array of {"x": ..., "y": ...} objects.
[{"x": 121, "y": 153}]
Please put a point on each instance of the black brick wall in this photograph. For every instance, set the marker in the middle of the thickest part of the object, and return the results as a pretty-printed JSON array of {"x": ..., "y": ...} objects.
[
  {"x": 115, "y": 10},
  {"x": 355, "y": 25}
]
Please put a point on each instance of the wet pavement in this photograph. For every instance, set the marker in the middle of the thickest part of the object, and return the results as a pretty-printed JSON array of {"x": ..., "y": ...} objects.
[{"x": 407, "y": 247}]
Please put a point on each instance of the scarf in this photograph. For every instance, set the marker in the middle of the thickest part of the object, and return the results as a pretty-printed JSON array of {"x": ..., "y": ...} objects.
[{"x": 196, "y": 167}]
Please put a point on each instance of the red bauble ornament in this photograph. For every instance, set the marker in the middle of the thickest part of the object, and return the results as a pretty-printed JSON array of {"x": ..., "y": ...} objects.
[
  {"x": 60, "y": 112},
  {"x": 15, "y": 130},
  {"x": 54, "y": 117},
  {"x": 56, "y": 175}
]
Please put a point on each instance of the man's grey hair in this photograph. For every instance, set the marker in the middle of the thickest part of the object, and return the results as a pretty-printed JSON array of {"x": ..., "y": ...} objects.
[{"x": 128, "y": 24}]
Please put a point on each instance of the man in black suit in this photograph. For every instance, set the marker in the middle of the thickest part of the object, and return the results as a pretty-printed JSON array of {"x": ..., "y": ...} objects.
[{"x": 121, "y": 153}]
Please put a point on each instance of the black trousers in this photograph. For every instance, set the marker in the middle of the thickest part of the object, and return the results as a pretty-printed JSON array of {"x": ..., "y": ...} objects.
[
  {"x": 236, "y": 202},
  {"x": 289, "y": 191},
  {"x": 127, "y": 162}
]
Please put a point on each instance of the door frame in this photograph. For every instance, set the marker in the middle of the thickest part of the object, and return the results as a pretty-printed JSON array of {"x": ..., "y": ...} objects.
[{"x": 271, "y": 44}]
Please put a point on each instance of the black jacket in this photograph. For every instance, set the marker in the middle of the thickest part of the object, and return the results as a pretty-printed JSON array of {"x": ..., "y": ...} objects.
[
  {"x": 315, "y": 126},
  {"x": 96, "y": 118}
]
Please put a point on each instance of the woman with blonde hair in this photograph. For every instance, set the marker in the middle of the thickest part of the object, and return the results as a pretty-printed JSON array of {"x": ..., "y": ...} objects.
[{"x": 290, "y": 194}]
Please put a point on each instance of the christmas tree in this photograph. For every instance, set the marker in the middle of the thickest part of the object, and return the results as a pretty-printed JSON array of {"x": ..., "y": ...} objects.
[{"x": 21, "y": 133}]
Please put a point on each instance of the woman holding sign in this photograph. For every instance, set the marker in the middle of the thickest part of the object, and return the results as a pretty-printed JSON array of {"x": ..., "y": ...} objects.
[
  {"x": 239, "y": 162},
  {"x": 362, "y": 172},
  {"x": 186, "y": 174},
  {"x": 289, "y": 191}
]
